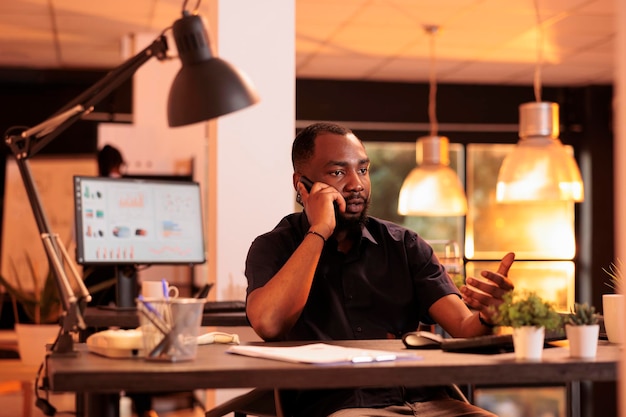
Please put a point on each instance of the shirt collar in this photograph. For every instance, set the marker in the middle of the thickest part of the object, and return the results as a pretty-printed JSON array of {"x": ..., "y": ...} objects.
[{"x": 367, "y": 235}]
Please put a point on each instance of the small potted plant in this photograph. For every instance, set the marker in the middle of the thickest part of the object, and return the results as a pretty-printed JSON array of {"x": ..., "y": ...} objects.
[
  {"x": 613, "y": 304},
  {"x": 582, "y": 330},
  {"x": 529, "y": 316}
]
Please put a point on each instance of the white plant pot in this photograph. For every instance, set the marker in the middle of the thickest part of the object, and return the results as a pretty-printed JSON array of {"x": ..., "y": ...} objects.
[
  {"x": 583, "y": 340},
  {"x": 528, "y": 342},
  {"x": 32, "y": 340},
  {"x": 613, "y": 313}
]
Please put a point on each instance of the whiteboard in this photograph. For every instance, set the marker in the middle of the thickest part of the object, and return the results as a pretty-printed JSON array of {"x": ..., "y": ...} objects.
[{"x": 53, "y": 176}]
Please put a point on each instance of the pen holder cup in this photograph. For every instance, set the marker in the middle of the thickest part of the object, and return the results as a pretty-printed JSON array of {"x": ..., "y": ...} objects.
[{"x": 170, "y": 328}]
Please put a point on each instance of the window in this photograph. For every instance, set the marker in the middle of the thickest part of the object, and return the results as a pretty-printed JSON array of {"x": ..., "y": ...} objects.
[{"x": 541, "y": 234}]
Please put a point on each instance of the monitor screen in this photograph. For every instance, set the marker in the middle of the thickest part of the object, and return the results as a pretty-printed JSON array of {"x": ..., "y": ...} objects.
[{"x": 137, "y": 221}]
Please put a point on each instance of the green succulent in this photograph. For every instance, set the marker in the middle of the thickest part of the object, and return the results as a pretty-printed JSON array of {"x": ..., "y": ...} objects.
[
  {"x": 526, "y": 308},
  {"x": 582, "y": 315}
]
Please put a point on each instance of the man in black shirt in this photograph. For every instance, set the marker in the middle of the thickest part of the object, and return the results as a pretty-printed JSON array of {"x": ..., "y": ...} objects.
[{"x": 332, "y": 272}]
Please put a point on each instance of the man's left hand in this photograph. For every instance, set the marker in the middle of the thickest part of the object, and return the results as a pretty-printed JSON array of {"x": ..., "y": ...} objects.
[{"x": 481, "y": 294}]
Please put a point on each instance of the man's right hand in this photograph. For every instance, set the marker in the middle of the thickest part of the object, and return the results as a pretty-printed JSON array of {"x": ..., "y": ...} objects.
[{"x": 319, "y": 205}]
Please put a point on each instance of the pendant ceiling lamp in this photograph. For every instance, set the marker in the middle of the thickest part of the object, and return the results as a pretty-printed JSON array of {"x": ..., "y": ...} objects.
[
  {"x": 432, "y": 188},
  {"x": 539, "y": 168}
]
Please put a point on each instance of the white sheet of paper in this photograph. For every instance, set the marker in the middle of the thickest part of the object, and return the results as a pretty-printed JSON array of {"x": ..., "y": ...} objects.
[{"x": 321, "y": 353}]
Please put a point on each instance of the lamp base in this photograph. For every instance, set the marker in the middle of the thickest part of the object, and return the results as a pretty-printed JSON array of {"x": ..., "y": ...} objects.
[{"x": 64, "y": 345}]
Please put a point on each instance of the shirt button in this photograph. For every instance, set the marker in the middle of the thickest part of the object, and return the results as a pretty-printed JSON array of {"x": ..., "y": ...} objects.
[{"x": 359, "y": 329}]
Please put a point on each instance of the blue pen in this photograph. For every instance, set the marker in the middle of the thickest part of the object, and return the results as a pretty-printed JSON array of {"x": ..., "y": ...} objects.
[
  {"x": 153, "y": 315},
  {"x": 149, "y": 306}
]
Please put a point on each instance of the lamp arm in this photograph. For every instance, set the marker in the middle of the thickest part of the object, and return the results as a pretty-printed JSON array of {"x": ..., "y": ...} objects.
[
  {"x": 57, "y": 258},
  {"x": 29, "y": 142}
]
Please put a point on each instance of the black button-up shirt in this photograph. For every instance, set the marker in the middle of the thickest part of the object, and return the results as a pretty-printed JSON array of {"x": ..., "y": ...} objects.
[{"x": 382, "y": 288}]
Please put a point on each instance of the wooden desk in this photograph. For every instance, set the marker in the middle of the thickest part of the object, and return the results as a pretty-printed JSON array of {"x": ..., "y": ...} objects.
[
  {"x": 103, "y": 317},
  {"x": 214, "y": 368}
]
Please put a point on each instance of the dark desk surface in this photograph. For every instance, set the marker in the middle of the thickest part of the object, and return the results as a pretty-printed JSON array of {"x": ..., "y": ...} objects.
[
  {"x": 214, "y": 368},
  {"x": 105, "y": 317}
]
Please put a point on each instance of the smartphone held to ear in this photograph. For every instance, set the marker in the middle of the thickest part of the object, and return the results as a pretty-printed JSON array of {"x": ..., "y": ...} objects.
[{"x": 308, "y": 184}]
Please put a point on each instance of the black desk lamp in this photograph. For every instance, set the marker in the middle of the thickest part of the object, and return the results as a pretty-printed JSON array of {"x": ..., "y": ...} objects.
[{"x": 205, "y": 87}]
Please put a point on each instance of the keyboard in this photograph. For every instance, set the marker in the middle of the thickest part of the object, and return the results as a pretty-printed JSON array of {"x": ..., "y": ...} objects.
[
  {"x": 488, "y": 344},
  {"x": 227, "y": 306}
]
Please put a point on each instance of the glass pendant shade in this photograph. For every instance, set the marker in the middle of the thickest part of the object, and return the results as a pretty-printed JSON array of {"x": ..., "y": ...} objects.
[
  {"x": 432, "y": 188},
  {"x": 539, "y": 168},
  {"x": 206, "y": 86}
]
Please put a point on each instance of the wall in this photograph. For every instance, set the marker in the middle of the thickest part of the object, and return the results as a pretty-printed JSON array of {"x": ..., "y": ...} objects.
[
  {"x": 619, "y": 156},
  {"x": 253, "y": 152},
  {"x": 250, "y": 162}
]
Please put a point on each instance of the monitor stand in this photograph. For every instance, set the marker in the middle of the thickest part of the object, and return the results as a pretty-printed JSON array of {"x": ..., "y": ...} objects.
[{"x": 126, "y": 288}]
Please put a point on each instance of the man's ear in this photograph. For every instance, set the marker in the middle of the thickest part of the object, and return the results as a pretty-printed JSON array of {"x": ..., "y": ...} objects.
[{"x": 295, "y": 178}]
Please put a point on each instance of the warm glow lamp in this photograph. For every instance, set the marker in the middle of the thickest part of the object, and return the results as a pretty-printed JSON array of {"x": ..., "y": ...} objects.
[
  {"x": 206, "y": 87},
  {"x": 432, "y": 188},
  {"x": 539, "y": 168}
]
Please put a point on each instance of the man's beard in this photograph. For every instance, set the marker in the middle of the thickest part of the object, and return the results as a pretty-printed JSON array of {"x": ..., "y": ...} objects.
[{"x": 352, "y": 225}]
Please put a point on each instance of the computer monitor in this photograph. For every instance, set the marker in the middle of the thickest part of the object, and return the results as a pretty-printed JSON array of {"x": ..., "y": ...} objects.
[{"x": 127, "y": 221}]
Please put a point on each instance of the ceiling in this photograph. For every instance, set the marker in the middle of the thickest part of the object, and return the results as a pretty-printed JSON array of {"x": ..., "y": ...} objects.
[{"x": 478, "y": 41}]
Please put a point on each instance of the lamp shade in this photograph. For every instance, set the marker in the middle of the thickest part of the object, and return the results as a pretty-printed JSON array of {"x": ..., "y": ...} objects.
[
  {"x": 539, "y": 168},
  {"x": 206, "y": 86},
  {"x": 432, "y": 188}
]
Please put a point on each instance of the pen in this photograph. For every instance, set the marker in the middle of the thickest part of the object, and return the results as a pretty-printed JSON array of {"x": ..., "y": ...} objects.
[
  {"x": 361, "y": 359},
  {"x": 373, "y": 358},
  {"x": 153, "y": 319},
  {"x": 204, "y": 292},
  {"x": 148, "y": 306},
  {"x": 153, "y": 315},
  {"x": 166, "y": 295}
]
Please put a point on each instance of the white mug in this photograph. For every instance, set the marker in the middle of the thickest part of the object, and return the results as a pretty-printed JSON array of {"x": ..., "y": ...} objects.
[{"x": 158, "y": 289}]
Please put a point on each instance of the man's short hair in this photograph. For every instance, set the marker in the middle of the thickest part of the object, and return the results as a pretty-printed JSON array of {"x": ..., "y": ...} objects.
[{"x": 304, "y": 143}]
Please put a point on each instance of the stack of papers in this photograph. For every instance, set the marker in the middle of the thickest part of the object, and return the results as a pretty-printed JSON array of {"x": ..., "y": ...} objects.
[{"x": 321, "y": 353}]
